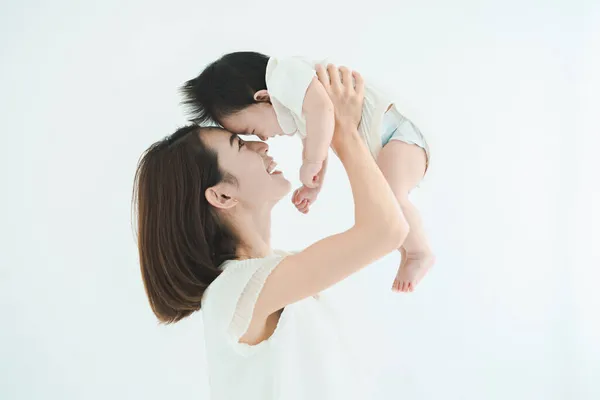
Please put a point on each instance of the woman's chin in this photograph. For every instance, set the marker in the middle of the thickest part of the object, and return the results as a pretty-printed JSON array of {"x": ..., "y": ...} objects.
[
  {"x": 278, "y": 188},
  {"x": 278, "y": 176},
  {"x": 287, "y": 186}
]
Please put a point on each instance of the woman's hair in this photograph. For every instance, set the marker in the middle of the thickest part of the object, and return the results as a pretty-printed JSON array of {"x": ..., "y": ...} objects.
[
  {"x": 225, "y": 87},
  {"x": 181, "y": 239}
]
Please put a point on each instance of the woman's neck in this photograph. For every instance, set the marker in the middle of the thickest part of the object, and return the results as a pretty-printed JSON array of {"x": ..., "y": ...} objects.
[{"x": 254, "y": 230}]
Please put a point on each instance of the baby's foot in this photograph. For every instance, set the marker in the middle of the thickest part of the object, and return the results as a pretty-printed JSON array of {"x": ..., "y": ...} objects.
[{"x": 412, "y": 269}]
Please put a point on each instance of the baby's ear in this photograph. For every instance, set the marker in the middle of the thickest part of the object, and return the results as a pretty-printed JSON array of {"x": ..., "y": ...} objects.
[{"x": 262, "y": 96}]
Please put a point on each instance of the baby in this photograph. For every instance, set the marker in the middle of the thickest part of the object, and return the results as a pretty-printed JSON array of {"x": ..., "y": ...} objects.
[{"x": 250, "y": 93}]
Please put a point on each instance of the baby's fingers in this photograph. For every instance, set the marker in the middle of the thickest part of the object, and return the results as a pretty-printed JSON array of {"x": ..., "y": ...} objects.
[
  {"x": 296, "y": 197},
  {"x": 304, "y": 206}
]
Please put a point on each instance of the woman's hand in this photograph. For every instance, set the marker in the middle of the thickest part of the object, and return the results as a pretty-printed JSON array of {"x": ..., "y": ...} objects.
[{"x": 347, "y": 98}]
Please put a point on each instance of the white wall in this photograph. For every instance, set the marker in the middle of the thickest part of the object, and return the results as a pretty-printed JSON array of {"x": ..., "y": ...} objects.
[{"x": 503, "y": 92}]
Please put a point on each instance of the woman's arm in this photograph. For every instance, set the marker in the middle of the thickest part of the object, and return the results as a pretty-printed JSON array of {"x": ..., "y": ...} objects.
[
  {"x": 379, "y": 226},
  {"x": 318, "y": 111}
]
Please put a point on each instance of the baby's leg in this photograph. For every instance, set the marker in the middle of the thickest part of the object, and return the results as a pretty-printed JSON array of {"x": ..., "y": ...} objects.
[{"x": 403, "y": 165}]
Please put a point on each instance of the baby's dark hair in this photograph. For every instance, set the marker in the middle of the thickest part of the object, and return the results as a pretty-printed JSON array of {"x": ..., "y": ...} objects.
[{"x": 225, "y": 87}]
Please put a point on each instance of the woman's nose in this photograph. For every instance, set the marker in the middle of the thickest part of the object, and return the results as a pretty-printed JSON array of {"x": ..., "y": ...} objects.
[{"x": 259, "y": 147}]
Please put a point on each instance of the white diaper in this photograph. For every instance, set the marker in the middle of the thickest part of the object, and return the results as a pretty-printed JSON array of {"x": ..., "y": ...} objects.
[{"x": 396, "y": 126}]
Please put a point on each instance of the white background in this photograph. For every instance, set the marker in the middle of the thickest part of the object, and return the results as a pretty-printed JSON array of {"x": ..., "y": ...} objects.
[{"x": 504, "y": 92}]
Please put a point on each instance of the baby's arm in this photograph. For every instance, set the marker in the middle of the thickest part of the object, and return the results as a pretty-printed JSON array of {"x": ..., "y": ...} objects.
[
  {"x": 318, "y": 112},
  {"x": 304, "y": 197},
  {"x": 321, "y": 174}
]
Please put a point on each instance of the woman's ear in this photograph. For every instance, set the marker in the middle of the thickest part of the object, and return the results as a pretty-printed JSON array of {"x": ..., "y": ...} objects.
[
  {"x": 262, "y": 96},
  {"x": 220, "y": 196}
]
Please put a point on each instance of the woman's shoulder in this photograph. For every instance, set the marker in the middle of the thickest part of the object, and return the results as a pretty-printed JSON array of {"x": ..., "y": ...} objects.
[
  {"x": 229, "y": 301},
  {"x": 240, "y": 276}
]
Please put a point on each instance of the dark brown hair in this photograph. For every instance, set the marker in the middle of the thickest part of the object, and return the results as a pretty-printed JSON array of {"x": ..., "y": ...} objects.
[
  {"x": 225, "y": 87},
  {"x": 181, "y": 238}
]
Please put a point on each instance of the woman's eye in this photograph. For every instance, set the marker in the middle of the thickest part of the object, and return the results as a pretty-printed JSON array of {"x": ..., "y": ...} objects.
[{"x": 240, "y": 144}]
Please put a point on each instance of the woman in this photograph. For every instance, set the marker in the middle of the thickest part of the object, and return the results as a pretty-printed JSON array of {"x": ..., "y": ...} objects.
[{"x": 204, "y": 201}]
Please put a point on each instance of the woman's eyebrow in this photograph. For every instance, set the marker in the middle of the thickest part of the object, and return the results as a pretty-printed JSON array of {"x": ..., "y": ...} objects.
[{"x": 232, "y": 139}]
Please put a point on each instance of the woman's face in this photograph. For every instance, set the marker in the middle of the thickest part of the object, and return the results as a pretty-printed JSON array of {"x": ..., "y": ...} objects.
[{"x": 258, "y": 183}]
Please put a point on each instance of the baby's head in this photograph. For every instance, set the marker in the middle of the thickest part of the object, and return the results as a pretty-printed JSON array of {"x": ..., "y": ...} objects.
[{"x": 232, "y": 91}]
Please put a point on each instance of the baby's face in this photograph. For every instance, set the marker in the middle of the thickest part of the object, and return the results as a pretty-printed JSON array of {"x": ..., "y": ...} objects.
[{"x": 257, "y": 119}]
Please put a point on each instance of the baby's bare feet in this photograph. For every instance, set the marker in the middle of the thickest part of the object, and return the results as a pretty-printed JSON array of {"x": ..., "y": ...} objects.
[{"x": 413, "y": 268}]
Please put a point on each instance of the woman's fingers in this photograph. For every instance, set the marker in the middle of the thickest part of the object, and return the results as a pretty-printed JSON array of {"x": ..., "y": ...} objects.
[
  {"x": 323, "y": 76},
  {"x": 346, "y": 77},
  {"x": 334, "y": 76},
  {"x": 359, "y": 83},
  {"x": 347, "y": 101},
  {"x": 339, "y": 78},
  {"x": 342, "y": 77}
]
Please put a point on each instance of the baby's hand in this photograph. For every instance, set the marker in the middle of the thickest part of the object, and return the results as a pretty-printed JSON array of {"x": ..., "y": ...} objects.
[
  {"x": 304, "y": 197},
  {"x": 309, "y": 173}
]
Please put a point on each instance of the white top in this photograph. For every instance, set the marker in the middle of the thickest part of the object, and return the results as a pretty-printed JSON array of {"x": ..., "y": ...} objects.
[
  {"x": 287, "y": 81},
  {"x": 307, "y": 357}
]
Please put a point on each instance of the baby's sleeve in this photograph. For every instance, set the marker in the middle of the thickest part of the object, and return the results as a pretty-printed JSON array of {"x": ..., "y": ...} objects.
[{"x": 288, "y": 80}]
